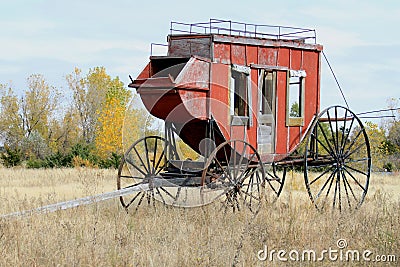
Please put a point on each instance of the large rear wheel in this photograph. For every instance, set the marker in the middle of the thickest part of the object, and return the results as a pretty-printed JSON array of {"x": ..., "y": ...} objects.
[{"x": 337, "y": 160}]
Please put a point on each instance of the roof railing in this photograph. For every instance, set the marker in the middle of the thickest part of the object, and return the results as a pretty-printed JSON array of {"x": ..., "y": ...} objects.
[{"x": 228, "y": 27}]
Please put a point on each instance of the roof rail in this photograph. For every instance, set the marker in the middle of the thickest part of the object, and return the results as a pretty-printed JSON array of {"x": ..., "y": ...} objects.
[{"x": 218, "y": 26}]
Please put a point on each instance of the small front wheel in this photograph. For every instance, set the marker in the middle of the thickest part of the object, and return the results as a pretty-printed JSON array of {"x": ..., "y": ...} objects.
[{"x": 142, "y": 164}]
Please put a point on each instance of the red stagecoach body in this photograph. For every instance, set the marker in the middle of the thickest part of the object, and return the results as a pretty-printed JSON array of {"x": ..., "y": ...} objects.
[{"x": 246, "y": 84}]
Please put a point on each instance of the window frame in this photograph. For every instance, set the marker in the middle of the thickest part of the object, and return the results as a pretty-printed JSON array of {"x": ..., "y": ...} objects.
[
  {"x": 246, "y": 119},
  {"x": 301, "y": 75}
]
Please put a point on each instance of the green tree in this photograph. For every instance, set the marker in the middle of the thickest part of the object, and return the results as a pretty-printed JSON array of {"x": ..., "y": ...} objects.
[
  {"x": 294, "y": 110},
  {"x": 37, "y": 108},
  {"x": 11, "y": 130},
  {"x": 38, "y": 105}
]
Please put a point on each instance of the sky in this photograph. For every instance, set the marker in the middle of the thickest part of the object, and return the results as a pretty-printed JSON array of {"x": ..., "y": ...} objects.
[{"x": 360, "y": 38}]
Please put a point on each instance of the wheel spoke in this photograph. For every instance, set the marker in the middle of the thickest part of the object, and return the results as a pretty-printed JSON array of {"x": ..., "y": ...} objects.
[
  {"x": 347, "y": 135},
  {"x": 225, "y": 171},
  {"x": 330, "y": 178},
  {"x": 258, "y": 183},
  {"x": 140, "y": 158},
  {"x": 318, "y": 165},
  {"x": 355, "y": 180},
  {"x": 134, "y": 198},
  {"x": 130, "y": 177},
  {"x": 354, "y": 140},
  {"x": 245, "y": 173},
  {"x": 356, "y": 160},
  {"x": 332, "y": 132},
  {"x": 322, "y": 174},
  {"x": 251, "y": 196},
  {"x": 168, "y": 193},
  {"x": 330, "y": 150},
  {"x": 136, "y": 167},
  {"x": 348, "y": 154},
  {"x": 336, "y": 189},
  {"x": 227, "y": 163},
  {"x": 345, "y": 188},
  {"x": 147, "y": 156},
  {"x": 349, "y": 186},
  {"x": 276, "y": 189},
  {"x": 337, "y": 131},
  {"x": 324, "y": 147},
  {"x": 343, "y": 132},
  {"x": 154, "y": 155},
  {"x": 159, "y": 193},
  {"x": 329, "y": 188},
  {"x": 356, "y": 170},
  {"x": 157, "y": 167},
  {"x": 235, "y": 170}
]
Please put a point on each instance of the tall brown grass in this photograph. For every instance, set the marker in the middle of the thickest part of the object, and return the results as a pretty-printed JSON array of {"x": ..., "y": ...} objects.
[{"x": 103, "y": 234}]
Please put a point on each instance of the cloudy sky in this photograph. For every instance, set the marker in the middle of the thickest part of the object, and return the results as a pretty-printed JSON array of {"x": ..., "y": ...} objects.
[{"x": 360, "y": 38}]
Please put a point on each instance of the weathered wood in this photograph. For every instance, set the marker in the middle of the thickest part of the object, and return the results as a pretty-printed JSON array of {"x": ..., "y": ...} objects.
[{"x": 78, "y": 202}]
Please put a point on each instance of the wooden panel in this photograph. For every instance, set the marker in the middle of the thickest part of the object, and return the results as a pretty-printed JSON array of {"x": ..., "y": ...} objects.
[
  {"x": 294, "y": 137},
  {"x": 311, "y": 66},
  {"x": 266, "y": 42},
  {"x": 219, "y": 97},
  {"x": 281, "y": 129},
  {"x": 238, "y": 54},
  {"x": 185, "y": 47},
  {"x": 251, "y": 55},
  {"x": 237, "y": 132},
  {"x": 311, "y": 94},
  {"x": 283, "y": 57},
  {"x": 222, "y": 53},
  {"x": 267, "y": 56},
  {"x": 145, "y": 72},
  {"x": 252, "y": 131},
  {"x": 295, "y": 59}
]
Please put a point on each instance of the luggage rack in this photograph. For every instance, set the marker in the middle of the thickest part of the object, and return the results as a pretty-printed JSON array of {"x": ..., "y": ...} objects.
[{"x": 228, "y": 27}]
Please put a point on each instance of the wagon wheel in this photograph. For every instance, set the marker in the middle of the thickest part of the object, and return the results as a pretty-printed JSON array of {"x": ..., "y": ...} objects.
[
  {"x": 275, "y": 181},
  {"x": 337, "y": 160},
  {"x": 234, "y": 172},
  {"x": 142, "y": 164}
]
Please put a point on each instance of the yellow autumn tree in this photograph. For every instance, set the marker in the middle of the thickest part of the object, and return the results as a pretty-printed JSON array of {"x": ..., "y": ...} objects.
[{"x": 111, "y": 118}]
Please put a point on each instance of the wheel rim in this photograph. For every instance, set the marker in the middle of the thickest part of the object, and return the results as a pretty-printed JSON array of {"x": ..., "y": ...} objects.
[
  {"x": 235, "y": 173},
  {"x": 142, "y": 163},
  {"x": 337, "y": 160}
]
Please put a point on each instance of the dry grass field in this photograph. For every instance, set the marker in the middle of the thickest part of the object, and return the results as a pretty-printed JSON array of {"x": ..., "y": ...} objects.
[{"x": 103, "y": 234}]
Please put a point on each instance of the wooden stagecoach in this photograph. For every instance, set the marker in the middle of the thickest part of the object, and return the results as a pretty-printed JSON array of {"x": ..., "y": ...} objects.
[{"x": 246, "y": 98}]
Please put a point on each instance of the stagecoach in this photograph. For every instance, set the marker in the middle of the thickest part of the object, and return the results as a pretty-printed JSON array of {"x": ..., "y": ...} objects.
[{"x": 246, "y": 99}]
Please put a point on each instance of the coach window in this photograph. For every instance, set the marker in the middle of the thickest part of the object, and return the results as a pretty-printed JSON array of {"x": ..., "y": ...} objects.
[
  {"x": 239, "y": 90},
  {"x": 295, "y": 98}
]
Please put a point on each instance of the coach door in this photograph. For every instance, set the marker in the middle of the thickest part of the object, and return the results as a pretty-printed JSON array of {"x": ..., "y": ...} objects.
[{"x": 267, "y": 112}]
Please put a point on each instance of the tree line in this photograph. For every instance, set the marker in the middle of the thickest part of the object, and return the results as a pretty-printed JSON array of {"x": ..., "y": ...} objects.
[
  {"x": 385, "y": 140},
  {"x": 83, "y": 125},
  {"x": 78, "y": 126}
]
